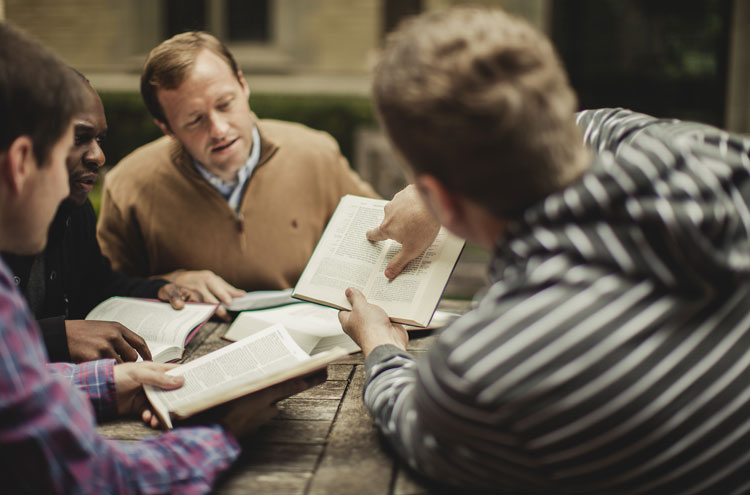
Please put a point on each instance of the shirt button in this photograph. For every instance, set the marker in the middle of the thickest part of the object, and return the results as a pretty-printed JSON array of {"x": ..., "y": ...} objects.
[
  {"x": 17, "y": 280},
  {"x": 53, "y": 275},
  {"x": 67, "y": 222}
]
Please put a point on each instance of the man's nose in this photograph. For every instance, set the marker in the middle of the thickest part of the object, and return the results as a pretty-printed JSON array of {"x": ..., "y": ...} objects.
[
  {"x": 219, "y": 127},
  {"x": 95, "y": 155}
]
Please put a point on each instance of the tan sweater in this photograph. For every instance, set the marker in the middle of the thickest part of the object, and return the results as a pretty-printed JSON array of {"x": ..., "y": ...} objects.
[{"x": 158, "y": 214}]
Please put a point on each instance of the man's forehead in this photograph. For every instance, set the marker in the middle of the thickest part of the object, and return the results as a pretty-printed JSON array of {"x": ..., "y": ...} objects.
[{"x": 196, "y": 92}]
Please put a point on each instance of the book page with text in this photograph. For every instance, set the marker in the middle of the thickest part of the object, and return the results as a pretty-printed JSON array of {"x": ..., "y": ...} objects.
[
  {"x": 155, "y": 321},
  {"x": 423, "y": 279},
  {"x": 345, "y": 258},
  {"x": 228, "y": 372}
]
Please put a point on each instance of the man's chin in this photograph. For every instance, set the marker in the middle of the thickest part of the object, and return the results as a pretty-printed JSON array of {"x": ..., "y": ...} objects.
[{"x": 78, "y": 198}]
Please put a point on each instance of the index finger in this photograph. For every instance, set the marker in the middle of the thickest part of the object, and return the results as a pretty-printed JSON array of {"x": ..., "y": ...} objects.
[
  {"x": 137, "y": 342},
  {"x": 221, "y": 290},
  {"x": 377, "y": 234},
  {"x": 176, "y": 299}
]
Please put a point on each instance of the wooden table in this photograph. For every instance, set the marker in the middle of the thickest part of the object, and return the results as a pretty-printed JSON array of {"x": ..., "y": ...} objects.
[{"x": 322, "y": 442}]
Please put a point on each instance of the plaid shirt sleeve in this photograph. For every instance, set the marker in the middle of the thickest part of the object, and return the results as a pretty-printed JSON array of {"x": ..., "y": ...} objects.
[
  {"x": 48, "y": 438},
  {"x": 96, "y": 380}
]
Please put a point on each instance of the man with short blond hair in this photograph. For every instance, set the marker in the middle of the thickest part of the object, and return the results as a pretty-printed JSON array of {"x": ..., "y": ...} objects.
[{"x": 243, "y": 199}]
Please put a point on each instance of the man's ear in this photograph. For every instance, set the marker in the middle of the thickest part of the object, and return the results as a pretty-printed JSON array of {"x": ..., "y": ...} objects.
[
  {"x": 19, "y": 161},
  {"x": 243, "y": 83},
  {"x": 446, "y": 205},
  {"x": 164, "y": 127}
]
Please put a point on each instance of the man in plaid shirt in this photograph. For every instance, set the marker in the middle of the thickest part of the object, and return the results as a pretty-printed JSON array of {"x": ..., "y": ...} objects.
[{"x": 48, "y": 441}]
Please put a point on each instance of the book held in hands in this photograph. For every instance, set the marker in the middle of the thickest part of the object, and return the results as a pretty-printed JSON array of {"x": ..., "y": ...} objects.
[
  {"x": 344, "y": 257},
  {"x": 166, "y": 330},
  {"x": 254, "y": 363}
]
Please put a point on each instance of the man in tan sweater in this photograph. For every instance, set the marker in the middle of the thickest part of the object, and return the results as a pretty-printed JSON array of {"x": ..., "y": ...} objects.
[{"x": 224, "y": 201}]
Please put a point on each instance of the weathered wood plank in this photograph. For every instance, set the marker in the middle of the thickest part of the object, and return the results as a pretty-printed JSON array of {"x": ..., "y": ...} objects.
[
  {"x": 355, "y": 359},
  {"x": 314, "y": 409},
  {"x": 266, "y": 483},
  {"x": 294, "y": 431},
  {"x": 260, "y": 456},
  {"x": 353, "y": 461},
  {"x": 332, "y": 390},
  {"x": 127, "y": 429},
  {"x": 339, "y": 371}
]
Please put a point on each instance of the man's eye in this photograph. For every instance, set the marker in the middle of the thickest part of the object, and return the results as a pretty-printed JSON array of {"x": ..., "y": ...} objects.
[{"x": 194, "y": 122}]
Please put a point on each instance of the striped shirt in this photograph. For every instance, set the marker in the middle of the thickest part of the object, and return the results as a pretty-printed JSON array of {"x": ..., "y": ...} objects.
[
  {"x": 48, "y": 438},
  {"x": 612, "y": 352}
]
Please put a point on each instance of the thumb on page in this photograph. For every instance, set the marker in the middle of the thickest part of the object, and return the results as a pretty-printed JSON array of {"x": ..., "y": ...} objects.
[
  {"x": 355, "y": 297},
  {"x": 154, "y": 374}
]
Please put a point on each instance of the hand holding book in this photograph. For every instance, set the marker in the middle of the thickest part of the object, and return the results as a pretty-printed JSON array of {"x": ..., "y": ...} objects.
[
  {"x": 253, "y": 364},
  {"x": 344, "y": 258},
  {"x": 368, "y": 325}
]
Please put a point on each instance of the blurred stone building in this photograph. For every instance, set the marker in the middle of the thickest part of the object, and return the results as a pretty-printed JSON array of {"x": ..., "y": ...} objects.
[{"x": 281, "y": 45}]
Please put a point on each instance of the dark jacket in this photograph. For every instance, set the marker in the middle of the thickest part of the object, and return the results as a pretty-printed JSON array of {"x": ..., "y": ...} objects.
[{"x": 77, "y": 276}]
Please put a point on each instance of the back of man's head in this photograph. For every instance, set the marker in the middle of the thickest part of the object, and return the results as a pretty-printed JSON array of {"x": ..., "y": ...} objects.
[
  {"x": 171, "y": 62},
  {"x": 479, "y": 99},
  {"x": 38, "y": 94}
]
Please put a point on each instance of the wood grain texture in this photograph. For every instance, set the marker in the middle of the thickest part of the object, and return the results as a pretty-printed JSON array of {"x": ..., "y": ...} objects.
[{"x": 353, "y": 461}]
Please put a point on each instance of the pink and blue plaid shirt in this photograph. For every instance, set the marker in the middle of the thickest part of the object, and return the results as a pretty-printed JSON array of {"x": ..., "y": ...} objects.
[{"x": 48, "y": 438}]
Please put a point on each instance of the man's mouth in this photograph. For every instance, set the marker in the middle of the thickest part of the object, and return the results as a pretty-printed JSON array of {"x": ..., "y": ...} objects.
[
  {"x": 224, "y": 146},
  {"x": 87, "y": 181}
]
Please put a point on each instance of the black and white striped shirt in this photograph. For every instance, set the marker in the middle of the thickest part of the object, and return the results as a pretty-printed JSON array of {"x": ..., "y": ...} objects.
[{"x": 612, "y": 353}]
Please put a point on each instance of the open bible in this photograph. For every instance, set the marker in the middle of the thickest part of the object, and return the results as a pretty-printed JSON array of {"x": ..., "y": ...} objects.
[
  {"x": 345, "y": 258},
  {"x": 315, "y": 328},
  {"x": 246, "y": 366},
  {"x": 166, "y": 330}
]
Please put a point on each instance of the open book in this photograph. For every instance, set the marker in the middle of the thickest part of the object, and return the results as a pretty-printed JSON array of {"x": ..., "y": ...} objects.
[
  {"x": 251, "y": 364},
  {"x": 315, "y": 328},
  {"x": 166, "y": 330},
  {"x": 345, "y": 258}
]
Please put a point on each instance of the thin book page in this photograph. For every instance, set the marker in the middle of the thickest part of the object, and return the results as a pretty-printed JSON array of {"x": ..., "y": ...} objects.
[
  {"x": 251, "y": 364},
  {"x": 345, "y": 258},
  {"x": 315, "y": 328},
  {"x": 157, "y": 322}
]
